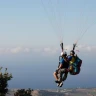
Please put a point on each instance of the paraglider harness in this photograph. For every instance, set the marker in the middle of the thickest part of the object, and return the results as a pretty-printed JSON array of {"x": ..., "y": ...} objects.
[{"x": 76, "y": 64}]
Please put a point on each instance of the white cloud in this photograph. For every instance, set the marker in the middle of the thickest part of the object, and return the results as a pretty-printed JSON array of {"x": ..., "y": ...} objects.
[
  {"x": 48, "y": 50},
  {"x": 36, "y": 50},
  {"x": 89, "y": 48},
  {"x": 16, "y": 50},
  {"x": 2, "y": 50},
  {"x": 68, "y": 47},
  {"x": 26, "y": 50}
]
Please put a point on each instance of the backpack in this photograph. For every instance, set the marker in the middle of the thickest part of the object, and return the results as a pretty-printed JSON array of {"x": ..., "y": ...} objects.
[{"x": 76, "y": 65}]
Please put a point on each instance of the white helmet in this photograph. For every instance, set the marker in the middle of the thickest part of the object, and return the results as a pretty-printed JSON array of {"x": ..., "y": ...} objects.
[{"x": 64, "y": 53}]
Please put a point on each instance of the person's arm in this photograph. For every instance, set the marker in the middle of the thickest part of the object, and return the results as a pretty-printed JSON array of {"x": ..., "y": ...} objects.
[
  {"x": 66, "y": 60},
  {"x": 60, "y": 66}
]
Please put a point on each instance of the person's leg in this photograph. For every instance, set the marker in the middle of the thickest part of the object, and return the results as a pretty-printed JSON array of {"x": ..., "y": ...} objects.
[
  {"x": 65, "y": 76},
  {"x": 55, "y": 75},
  {"x": 62, "y": 72}
]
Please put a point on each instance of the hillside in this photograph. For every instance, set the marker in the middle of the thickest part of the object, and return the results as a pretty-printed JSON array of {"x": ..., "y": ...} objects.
[{"x": 60, "y": 92}]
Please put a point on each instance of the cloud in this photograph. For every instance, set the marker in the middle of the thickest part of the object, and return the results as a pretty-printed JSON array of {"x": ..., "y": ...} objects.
[
  {"x": 48, "y": 50},
  {"x": 26, "y": 50},
  {"x": 87, "y": 48},
  {"x": 16, "y": 50}
]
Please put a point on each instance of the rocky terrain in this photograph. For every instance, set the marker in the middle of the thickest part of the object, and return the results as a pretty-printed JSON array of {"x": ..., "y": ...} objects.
[{"x": 60, "y": 92}]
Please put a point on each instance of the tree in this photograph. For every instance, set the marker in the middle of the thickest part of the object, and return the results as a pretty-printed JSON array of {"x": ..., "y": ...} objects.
[
  {"x": 4, "y": 78},
  {"x": 23, "y": 92}
]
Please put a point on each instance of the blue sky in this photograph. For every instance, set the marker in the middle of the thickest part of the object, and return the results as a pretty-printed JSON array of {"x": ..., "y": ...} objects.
[{"x": 31, "y": 30}]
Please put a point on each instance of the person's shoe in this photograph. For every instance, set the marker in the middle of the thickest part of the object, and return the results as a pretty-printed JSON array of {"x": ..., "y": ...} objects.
[
  {"x": 57, "y": 84},
  {"x": 60, "y": 85}
]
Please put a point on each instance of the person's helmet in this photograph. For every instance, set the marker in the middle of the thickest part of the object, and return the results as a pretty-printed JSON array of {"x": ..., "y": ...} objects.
[
  {"x": 72, "y": 52},
  {"x": 63, "y": 53}
]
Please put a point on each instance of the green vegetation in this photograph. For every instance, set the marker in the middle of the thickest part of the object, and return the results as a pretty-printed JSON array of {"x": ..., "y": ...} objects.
[
  {"x": 4, "y": 78},
  {"x": 23, "y": 92}
]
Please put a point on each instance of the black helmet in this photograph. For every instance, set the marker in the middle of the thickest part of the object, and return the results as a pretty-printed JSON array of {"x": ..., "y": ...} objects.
[{"x": 72, "y": 52}]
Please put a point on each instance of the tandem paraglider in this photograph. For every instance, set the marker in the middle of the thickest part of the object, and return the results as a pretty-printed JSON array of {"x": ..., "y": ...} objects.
[{"x": 67, "y": 64}]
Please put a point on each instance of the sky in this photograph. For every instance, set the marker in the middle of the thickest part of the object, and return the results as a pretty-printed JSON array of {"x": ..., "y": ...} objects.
[{"x": 30, "y": 35}]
